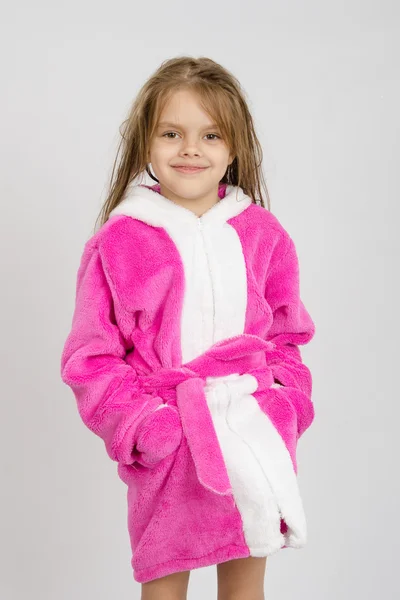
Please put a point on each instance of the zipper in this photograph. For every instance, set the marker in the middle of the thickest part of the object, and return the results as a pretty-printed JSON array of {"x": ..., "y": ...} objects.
[{"x": 200, "y": 228}]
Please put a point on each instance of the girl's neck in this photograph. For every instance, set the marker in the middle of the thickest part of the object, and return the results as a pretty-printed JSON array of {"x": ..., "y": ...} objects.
[{"x": 221, "y": 194}]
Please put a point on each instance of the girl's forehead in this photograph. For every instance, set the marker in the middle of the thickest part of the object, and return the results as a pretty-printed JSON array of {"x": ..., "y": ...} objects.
[
  {"x": 182, "y": 124},
  {"x": 188, "y": 111},
  {"x": 186, "y": 118},
  {"x": 178, "y": 105}
]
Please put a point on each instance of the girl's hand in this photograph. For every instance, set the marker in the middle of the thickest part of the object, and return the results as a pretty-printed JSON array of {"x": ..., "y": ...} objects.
[{"x": 158, "y": 435}]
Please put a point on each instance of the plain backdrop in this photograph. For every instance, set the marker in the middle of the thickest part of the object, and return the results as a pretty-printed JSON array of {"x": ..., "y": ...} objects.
[{"x": 322, "y": 82}]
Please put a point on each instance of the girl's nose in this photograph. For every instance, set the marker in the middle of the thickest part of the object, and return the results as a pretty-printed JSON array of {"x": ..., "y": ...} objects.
[
  {"x": 190, "y": 152},
  {"x": 190, "y": 148}
]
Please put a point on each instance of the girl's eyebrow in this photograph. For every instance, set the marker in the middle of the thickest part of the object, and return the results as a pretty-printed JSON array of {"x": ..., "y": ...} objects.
[{"x": 169, "y": 124}]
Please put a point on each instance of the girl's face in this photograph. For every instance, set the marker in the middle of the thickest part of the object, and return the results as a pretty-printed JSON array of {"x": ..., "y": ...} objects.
[{"x": 186, "y": 136}]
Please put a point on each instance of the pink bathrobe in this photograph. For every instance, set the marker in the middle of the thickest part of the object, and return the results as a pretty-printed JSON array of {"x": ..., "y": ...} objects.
[{"x": 200, "y": 317}]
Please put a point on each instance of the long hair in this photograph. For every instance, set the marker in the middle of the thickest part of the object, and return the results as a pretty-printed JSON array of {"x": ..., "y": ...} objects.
[{"x": 220, "y": 95}]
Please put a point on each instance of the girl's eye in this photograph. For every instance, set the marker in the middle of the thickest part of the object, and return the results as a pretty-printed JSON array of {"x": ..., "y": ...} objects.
[{"x": 173, "y": 133}]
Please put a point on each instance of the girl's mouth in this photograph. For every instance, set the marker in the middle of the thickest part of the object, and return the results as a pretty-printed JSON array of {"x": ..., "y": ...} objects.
[{"x": 190, "y": 169}]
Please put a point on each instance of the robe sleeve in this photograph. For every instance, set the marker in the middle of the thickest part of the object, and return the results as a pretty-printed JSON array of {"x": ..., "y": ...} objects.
[
  {"x": 108, "y": 395},
  {"x": 291, "y": 326}
]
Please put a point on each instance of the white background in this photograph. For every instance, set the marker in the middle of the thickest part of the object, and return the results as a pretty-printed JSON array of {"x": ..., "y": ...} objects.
[{"x": 322, "y": 81}]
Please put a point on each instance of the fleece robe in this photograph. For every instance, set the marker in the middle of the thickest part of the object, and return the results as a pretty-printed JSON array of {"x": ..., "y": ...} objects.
[{"x": 183, "y": 356}]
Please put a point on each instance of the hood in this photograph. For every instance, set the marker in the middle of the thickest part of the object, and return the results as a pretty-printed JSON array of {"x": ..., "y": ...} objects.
[{"x": 147, "y": 204}]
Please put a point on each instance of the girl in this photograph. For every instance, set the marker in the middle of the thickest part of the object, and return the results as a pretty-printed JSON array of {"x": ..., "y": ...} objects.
[{"x": 184, "y": 349}]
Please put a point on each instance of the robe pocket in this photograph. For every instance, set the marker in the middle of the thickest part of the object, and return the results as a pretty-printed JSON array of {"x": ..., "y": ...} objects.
[{"x": 158, "y": 436}]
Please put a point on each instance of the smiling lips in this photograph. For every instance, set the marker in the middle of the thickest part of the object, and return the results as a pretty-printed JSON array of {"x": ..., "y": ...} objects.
[{"x": 184, "y": 169}]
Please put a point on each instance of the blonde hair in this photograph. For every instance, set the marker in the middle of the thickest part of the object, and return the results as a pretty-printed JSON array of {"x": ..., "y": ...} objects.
[{"x": 221, "y": 96}]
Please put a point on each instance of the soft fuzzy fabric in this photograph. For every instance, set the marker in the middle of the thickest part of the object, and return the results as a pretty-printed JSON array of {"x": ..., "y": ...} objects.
[{"x": 200, "y": 317}]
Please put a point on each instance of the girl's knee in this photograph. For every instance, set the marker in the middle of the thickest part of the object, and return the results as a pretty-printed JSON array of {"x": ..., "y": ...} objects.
[
  {"x": 241, "y": 579},
  {"x": 170, "y": 587}
]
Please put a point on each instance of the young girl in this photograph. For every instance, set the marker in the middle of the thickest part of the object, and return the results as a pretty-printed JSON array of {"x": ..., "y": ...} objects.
[{"x": 184, "y": 349}]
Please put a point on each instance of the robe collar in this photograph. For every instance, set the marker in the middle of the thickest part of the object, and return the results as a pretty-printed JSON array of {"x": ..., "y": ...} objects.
[{"x": 150, "y": 206}]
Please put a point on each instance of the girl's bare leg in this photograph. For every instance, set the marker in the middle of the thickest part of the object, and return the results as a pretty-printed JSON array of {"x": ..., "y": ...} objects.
[
  {"x": 170, "y": 587},
  {"x": 241, "y": 579}
]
